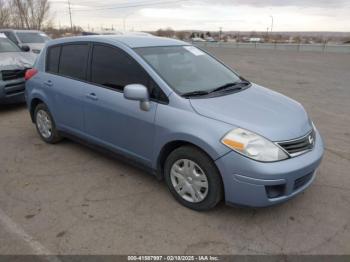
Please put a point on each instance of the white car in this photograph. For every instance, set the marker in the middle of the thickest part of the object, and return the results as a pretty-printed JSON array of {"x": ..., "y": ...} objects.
[
  {"x": 27, "y": 40},
  {"x": 13, "y": 65}
]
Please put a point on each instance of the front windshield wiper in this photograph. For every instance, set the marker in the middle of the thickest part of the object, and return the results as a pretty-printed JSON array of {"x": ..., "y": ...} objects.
[
  {"x": 196, "y": 93},
  {"x": 231, "y": 86}
]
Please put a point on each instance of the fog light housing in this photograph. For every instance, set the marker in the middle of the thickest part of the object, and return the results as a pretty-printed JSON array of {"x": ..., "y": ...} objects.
[{"x": 275, "y": 191}]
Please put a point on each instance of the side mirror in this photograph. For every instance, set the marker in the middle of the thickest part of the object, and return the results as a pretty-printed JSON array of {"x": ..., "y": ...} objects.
[
  {"x": 25, "y": 48},
  {"x": 140, "y": 93}
]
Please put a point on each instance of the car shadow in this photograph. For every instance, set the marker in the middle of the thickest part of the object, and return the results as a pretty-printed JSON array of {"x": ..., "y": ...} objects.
[{"x": 11, "y": 107}]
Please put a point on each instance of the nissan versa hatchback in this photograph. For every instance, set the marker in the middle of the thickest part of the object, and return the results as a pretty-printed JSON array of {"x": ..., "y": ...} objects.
[{"x": 179, "y": 112}]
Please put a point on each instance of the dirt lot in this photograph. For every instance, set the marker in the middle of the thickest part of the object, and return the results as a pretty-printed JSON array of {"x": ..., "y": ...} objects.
[{"x": 68, "y": 199}]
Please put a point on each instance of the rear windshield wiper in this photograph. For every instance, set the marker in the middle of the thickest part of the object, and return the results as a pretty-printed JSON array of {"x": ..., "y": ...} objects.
[{"x": 231, "y": 86}]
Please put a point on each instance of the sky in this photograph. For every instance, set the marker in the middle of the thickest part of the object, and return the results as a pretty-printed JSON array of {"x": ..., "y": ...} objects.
[{"x": 230, "y": 15}]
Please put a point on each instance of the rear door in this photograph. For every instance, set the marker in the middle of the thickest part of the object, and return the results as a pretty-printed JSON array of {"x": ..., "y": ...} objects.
[
  {"x": 66, "y": 72},
  {"x": 110, "y": 119}
]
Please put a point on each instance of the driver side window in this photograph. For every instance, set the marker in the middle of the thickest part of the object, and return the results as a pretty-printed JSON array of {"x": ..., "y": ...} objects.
[{"x": 114, "y": 69}]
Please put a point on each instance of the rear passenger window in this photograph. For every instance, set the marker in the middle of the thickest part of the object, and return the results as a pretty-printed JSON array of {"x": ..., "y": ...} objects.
[
  {"x": 73, "y": 60},
  {"x": 52, "y": 59},
  {"x": 113, "y": 68}
]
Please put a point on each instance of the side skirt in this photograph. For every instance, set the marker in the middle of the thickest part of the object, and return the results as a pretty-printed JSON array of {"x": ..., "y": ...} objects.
[{"x": 111, "y": 154}]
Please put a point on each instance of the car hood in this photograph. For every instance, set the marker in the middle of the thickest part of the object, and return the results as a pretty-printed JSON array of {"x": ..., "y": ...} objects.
[
  {"x": 259, "y": 110},
  {"x": 16, "y": 60}
]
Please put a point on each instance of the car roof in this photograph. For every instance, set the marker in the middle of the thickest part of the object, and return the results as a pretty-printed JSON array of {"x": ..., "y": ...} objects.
[{"x": 128, "y": 40}]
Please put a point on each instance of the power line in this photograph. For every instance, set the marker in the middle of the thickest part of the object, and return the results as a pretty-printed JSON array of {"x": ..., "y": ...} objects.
[
  {"x": 129, "y": 6},
  {"x": 121, "y": 3}
]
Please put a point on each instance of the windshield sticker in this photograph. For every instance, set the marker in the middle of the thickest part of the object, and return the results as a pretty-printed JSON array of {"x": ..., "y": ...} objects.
[
  {"x": 2, "y": 35},
  {"x": 194, "y": 50}
]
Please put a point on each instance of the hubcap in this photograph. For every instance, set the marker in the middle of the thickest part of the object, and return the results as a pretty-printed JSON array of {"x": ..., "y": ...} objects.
[
  {"x": 189, "y": 180},
  {"x": 44, "y": 123}
]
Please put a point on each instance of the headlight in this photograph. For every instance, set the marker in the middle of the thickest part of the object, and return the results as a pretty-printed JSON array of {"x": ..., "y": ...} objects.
[{"x": 253, "y": 146}]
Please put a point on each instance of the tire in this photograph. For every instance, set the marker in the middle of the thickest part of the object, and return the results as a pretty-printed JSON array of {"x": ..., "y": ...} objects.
[
  {"x": 42, "y": 112},
  {"x": 205, "y": 198}
]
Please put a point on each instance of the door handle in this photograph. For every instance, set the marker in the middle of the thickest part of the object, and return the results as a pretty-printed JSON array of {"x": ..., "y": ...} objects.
[
  {"x": 92, "y": 96},
  {"x": 48, "y": 83}
]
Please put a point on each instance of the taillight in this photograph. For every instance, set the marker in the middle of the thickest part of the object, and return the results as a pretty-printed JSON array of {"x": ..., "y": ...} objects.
[{"x": 30, "y": 73}]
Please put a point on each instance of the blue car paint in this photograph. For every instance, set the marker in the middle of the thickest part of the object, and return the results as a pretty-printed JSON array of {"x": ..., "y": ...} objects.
[{"x": 202, "y": 122}]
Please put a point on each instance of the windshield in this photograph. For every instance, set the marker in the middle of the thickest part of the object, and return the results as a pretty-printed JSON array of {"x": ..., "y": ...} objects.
[
  {"x": 32, "y": 37},
  {"x": 7, "y": 46},
  {"x": 188, "y": 69}
]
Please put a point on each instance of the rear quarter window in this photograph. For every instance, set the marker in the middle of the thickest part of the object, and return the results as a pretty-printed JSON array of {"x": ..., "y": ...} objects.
[{"x": 52, "y": 59}]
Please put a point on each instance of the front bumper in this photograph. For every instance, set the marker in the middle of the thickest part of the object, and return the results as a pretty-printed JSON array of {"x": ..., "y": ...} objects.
[
  {"x": 256, "y": 184},
  {"x": 12, "y": 92}
]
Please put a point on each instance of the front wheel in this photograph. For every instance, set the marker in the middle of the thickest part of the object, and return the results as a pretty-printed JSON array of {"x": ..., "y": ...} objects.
[{"x": 193, "y": 178}]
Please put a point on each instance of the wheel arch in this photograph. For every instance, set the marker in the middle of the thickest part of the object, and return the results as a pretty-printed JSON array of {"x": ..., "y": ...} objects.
[
  {"x": 170, "y": 147},
  {"x": 33, "y": 104}
]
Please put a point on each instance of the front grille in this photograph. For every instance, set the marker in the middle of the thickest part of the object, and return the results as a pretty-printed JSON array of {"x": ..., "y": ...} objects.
[
  {"x": 300, "y": 182},
  {"x": 299, "y": 146},
  {"x": 12, "y": 74}
]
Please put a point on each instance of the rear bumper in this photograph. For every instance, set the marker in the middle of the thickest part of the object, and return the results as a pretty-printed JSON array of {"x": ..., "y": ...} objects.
[
  {"x": 256, "y": 184},
  {"x": 12, "y": 92}
]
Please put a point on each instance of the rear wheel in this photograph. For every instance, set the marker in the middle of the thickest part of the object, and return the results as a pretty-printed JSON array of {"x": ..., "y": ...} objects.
[
  {"x": 193, "y": 178},
  {"x": 45, "y": 125}
]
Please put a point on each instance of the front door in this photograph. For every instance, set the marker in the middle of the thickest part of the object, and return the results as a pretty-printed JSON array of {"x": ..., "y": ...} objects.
[{"x": 110, "y": 119}]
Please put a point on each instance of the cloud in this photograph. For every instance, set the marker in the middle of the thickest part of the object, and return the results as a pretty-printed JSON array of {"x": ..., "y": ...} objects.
[
  {"x": 246, "y": 15},
  {"x": 281, "y": 3}
]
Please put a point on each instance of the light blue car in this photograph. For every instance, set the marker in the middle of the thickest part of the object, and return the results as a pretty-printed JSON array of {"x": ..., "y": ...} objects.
[{"x": 180, "y": 113}]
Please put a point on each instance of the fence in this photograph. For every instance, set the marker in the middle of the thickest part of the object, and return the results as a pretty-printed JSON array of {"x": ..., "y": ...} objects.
[{"x": 286, "y": 47}]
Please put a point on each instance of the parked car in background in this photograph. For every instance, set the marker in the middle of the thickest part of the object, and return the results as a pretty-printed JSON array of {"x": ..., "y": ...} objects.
[
  {"x": 197, "y": 39},
  {"x": 179, "y": 112},
  {"x": 27, "y": 40},
  {"x": 13, "y": 64}
]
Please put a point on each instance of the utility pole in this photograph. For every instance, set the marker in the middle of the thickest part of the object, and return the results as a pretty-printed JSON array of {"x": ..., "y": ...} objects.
[
  {"x": 124, "y": 20},
  {"x": 70, "y": 15},
  {"x": 271, "y": 23},
  {"x": 220, "y": 33}
]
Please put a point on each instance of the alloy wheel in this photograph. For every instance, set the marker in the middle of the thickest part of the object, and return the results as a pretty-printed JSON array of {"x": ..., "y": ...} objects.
[{"x": 44, "y": 123}]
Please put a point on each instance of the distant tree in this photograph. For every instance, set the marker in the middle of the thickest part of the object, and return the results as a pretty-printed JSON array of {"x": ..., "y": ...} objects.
[
  {"x": 208, "y": 34},
  {"x": 202, "y": 36},
  {"x": 30, "y": 14},
  {"x": 4, "y": 14},
  {"x": 181, "y": 35},
  {"x": 63, "y": 31},
  {"x": 297, "y": 39},
  {"x": 193, "y": 35},
  {"x": 168, "y": 32},
  {"x": 253, "y": 34},
  {"x": 159, "y": 32}
]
